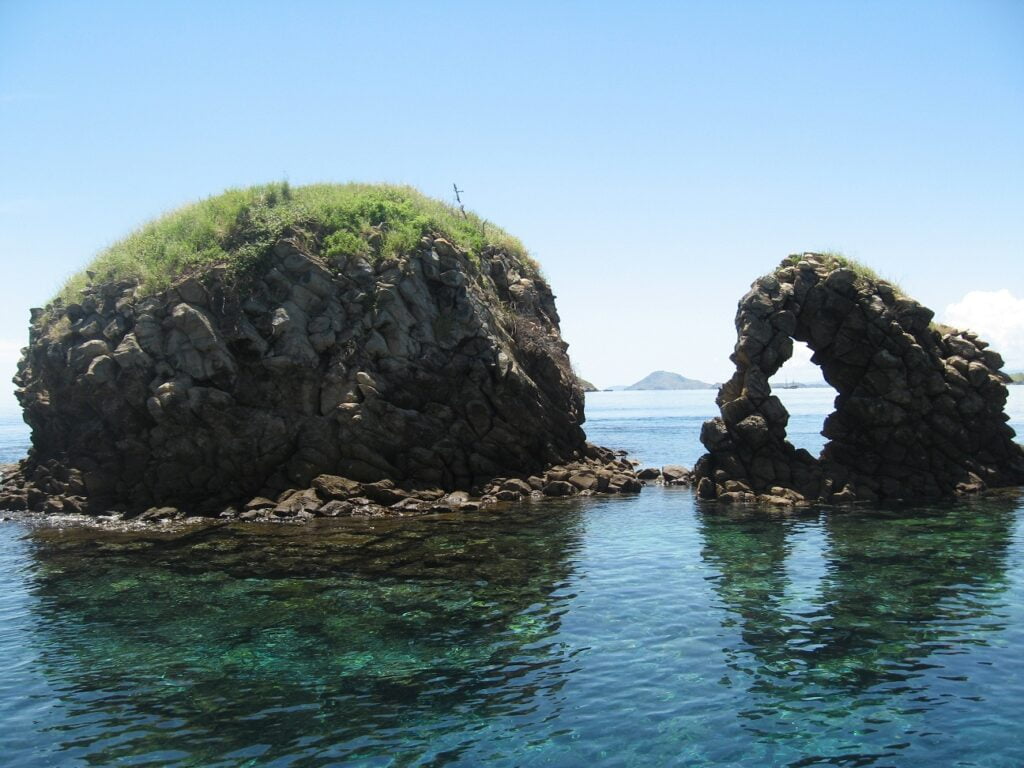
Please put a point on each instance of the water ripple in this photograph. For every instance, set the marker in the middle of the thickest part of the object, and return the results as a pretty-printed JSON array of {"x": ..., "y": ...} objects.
[{"x": 622, "y": 632}]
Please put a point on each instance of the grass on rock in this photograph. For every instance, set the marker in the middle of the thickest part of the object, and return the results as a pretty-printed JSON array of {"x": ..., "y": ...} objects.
[
  {"x": 239, "y": 227},
  {"x": 836, "y": 260}
]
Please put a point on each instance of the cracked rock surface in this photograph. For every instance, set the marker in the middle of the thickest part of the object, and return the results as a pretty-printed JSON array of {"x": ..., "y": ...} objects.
[
  {"x": 436, "y": 370},
  {"x": 918, "y": 414}
]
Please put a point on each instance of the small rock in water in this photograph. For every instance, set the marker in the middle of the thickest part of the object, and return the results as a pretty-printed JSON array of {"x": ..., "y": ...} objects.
[
  {"x": 675, "y": 474},
  {"x": 559, "y": 488}
]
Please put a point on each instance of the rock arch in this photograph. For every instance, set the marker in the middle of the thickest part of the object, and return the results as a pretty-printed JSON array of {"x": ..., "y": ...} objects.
[{"x": 919, "y": 410}]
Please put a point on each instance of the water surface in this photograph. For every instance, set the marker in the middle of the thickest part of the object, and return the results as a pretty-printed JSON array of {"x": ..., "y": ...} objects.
[{"x": 640, "y": 631}]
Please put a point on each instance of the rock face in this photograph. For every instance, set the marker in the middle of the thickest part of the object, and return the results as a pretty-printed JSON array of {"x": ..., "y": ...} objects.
[
  {"x": 439, "y": 368},
  {"x": 919, "y": 411}
]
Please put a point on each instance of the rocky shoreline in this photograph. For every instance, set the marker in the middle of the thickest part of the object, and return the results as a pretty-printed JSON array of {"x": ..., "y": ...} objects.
[{"x": 602, "y": 473}]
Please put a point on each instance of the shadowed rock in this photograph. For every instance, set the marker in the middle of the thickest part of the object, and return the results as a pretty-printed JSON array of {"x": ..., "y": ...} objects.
[
  {"x": 437, "y": 369},
  {"x": 919, "y": 411}
]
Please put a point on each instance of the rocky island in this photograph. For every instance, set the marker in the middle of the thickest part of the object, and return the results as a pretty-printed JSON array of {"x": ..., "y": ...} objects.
[
  {"x": 665, "y": 380},
  {"x": 284, "y": 353},
  {"x": 919, "y": 412}
]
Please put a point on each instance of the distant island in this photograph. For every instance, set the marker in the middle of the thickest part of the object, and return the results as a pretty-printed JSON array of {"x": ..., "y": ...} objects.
[
  {"x": 585, "y": 385},
  {"x": 1017, "y": 378},
  {"x": 665, "y": 380}
]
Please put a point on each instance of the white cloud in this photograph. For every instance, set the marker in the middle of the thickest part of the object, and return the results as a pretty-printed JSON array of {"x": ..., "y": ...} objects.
[{"x": 996, "y": 316}]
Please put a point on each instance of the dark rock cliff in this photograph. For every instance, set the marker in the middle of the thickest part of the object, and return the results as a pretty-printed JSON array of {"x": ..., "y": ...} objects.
[
  {"x": 919, "y": 411},
  {"x": 439, "y": 368}
]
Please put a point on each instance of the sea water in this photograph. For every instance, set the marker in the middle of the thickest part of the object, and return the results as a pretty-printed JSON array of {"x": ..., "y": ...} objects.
[{"x": 648, "y": 630}]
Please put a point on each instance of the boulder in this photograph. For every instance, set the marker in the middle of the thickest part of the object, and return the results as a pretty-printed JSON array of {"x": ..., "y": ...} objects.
[
  {"x": 584, "y": 481},
  {"x": 331, "y": 487},
  {"x": 336, "y": 508},
  {"x": 676, "y": 474},
  {"x": 516, "y": 485},
  {"x": 559, "y": 488}
]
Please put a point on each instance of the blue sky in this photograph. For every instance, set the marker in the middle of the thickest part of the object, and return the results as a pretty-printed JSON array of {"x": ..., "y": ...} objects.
[{"x": 654, "y": 157}]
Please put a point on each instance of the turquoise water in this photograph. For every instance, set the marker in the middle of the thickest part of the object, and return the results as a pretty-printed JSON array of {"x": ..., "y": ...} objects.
[{"x": 640, "y": 631}]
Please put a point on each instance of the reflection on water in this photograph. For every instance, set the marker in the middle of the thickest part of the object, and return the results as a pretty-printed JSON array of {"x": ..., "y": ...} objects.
[
  {"x": 881, "y": 638},
  {"x": 620, "y": 632},
  {"x": 891, "y": 587},
  {"x": 336, "y": 641},
  {"x": 637, "y": 631}
]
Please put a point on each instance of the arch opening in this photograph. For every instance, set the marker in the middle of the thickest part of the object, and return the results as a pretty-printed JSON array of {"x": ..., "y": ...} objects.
[{"x": 805, "y": 395}]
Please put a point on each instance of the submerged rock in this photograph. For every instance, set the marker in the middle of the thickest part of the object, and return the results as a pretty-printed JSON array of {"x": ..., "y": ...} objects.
[
  {"x": 435, "y": 369},
  {"x": 919, "y": 411}
]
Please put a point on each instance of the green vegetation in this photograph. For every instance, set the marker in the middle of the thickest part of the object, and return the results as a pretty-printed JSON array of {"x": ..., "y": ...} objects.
[
  {"x": 1017, "y": 378},
  {"x": 835, "y": 260},
  {"x": 239, "y": 227}
]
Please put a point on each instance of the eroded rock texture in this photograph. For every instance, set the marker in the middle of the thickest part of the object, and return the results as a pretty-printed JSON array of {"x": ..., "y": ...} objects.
[
  {"x": 435, "y": 369},
  {"x": 919, "y": 410}
]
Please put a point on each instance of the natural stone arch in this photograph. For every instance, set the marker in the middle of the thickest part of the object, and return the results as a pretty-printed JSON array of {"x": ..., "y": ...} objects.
[{"x": 919, "y": 410}]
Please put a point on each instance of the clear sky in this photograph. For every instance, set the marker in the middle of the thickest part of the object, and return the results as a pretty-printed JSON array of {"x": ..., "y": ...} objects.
[{"x": 654, "y": 157}]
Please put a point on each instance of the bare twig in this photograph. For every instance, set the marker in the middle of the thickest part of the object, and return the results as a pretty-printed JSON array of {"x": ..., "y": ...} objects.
[{"x": 458, "y": 199}]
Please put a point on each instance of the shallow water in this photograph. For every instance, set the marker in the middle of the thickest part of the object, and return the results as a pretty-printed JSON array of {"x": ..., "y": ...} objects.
[{"x": 639, "y": 631}]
